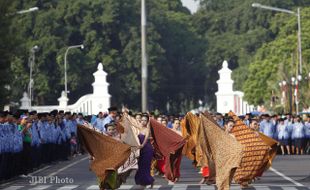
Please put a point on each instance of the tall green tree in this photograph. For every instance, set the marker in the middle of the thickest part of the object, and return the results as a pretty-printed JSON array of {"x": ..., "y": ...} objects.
[
  {"x": 7, "y": 47},
  {"x": 277, "y": 61}
]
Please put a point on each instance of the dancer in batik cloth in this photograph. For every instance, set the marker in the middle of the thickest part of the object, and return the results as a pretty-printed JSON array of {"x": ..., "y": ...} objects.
[
  {"x": 107, "y": 155},
  {"x": 190, "y": 125},
  {"x": 169, "y": 144},
  {"x": 220, "y": 151},
  {"x": 257, "y": 153},
  {"x": 161, "y": 163}
]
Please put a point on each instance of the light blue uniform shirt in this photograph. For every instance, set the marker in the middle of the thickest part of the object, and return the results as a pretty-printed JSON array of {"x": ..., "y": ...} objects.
[
  {"x": 42, "y": 132},
  {"x": 100, "y": 122},
  {"x": 107, "y": 120},
  {"x": 18, "y": 140},
  {"x": 35, "y": 140},
  {"x": 283, "y": 131},
  {"x": 67, "y": 128},
  {"x": 10, "y": 137},
  {"x": 52, "y": 133},
  {"x": 299, "y": 131},
  {"x": 74, "y": 127},
  {"x": 5, "y": 133},
  {"x": 93, "y": 119},
  {"x": 247, "y": 122},
  {"x": 58, "y": 135},
  {"x": 80, "y": 121},
  {"x": 267, "y": 128},
  {"x": 2, "y": 138},
  {"x": 307, "y": 125}
]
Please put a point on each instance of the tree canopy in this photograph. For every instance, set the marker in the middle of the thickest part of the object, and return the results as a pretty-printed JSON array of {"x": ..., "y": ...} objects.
[{"x": 184, "y": 51}]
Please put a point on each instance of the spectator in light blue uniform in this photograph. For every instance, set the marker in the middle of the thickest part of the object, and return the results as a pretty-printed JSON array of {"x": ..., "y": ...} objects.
[
  {"x": 44, "y": 136},
  {"x": 307, "y": 124},
  {"x": 74, "y": 124},
  {"x": 35, "y": 140},
  {"x": 93, "y": 119},
  {"x": 4, "y": 154},
  {"x": 298, "y": 135},
  {"x": 73, "y": 140},
  {"x": 99, "y": 122},
  {"x": 18, "y": 140},
  {"x": 247, "y": 119},
  {"x": 267, "y": 127},
  {"x": 18, "y": 148},
  {"x": 67, "y": 130},
  {"x": 283, "y": 136},
  {"x": 289, "y": 122},
  {"x": 219, "y": 120},
  {"x": 80, "y": 120},
  {"x": 68, "y": 125},
  {"x": 111, "y": 117}
]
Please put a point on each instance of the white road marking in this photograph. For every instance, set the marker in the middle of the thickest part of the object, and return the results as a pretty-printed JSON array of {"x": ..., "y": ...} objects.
[
  {"x": 289, "y": 188},
  {"x": 93, "y": 187},
  {"x": 287, "y": 178},
  {"x": 40, "y": 187},
  {"x": 37, "y": 171},
  {"x": 13, "y": 187},
  {"x": 68, "y": 187},
  {"x": 125, "y": 186}
]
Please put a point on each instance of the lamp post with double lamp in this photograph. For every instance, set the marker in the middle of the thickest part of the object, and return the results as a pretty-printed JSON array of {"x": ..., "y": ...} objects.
[
  {"x": 298, "y": 92},
  {"x": 295, "y": 82},
  {"x": 293, "y": 79},
  {"x": 31, "y": 62},
  {"x": 65, "y": 64},
  {"x": 282, "y": 85},
  {"x": 257, "y": 5}
]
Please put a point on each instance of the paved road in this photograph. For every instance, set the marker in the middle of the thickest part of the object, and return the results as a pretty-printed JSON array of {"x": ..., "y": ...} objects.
[{"x": 288, "y": 172}]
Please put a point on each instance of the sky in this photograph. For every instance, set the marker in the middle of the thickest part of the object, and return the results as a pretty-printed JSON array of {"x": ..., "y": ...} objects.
[{"x": 192, "y": 5}]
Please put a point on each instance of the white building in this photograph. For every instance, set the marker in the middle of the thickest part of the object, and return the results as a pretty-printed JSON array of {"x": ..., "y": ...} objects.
[
  {"x": 88, "y": 104},
  {"x": 226, "y": 98}
]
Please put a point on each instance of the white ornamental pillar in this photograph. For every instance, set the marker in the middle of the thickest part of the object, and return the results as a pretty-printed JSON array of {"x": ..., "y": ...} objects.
[
  {"x": 63, "y": 101},
  {"x": 100, "y": 97},
  {"x": 225, "y": 94},
  {"x": 25, "y": 101}
]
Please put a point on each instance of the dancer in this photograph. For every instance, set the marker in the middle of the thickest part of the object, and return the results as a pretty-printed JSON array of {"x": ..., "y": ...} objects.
[{"x": 143, "y": 176}]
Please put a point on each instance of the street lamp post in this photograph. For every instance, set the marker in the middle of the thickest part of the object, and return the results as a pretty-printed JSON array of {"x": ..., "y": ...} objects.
[
  {"x": 144, "y": 73},
  {"x": 257, "y": 5},
  {"x": 65, "y": 64},
  {"x": 31, "y": 62},
  {"x": 282, "y": 85},
  {"x": 298, "y": 91},
  {"x": 293, "y": 92}
]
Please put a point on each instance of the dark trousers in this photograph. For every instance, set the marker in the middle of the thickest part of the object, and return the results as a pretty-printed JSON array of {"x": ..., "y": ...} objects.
[{"x": 26, "y": 158}]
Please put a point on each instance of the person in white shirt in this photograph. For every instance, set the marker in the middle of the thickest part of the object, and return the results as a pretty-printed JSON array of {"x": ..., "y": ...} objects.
[
  {"x": 283, "y": 136},
  {"x": 298, "y": 135},
  {"x": 112, "y": 115}
]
